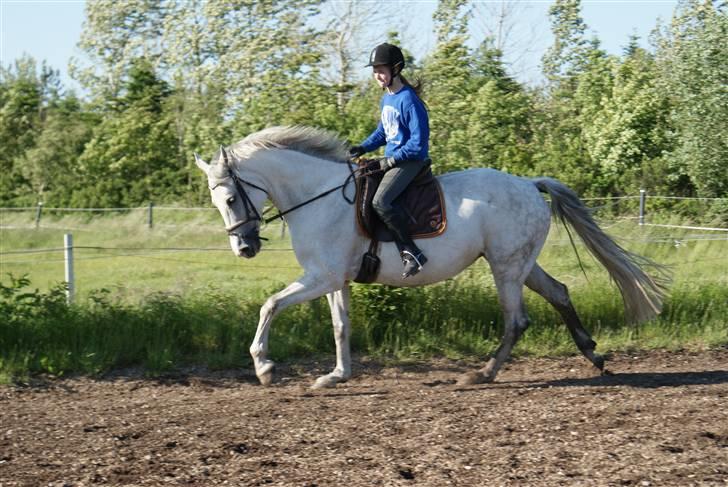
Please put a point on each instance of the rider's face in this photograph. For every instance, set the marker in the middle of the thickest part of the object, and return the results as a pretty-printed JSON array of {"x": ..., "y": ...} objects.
[{"x": 382, "y": 75}]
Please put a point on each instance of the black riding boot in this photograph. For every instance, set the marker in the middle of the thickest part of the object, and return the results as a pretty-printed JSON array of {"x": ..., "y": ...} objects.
[{"x": 412, "y": 257}]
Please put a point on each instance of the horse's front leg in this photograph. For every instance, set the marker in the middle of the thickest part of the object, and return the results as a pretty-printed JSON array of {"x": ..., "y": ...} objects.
[
  {"x": 339, "y": 304},
  {"x": 305, "y": 289}
]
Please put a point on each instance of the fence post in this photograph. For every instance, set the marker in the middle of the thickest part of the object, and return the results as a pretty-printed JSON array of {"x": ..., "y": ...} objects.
[
  {"x": 38, "y": 212},
  {"x": 150, "y": 220},
  {"x": 68, "y": 251},
  {"x": 643, "y": 198},
  {"x": 283, "y": 228}
]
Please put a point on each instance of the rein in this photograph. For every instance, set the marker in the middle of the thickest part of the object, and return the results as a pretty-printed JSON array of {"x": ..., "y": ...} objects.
[
  {"x": 348, "y": 180},
  {"x": 246, "y": 200}
]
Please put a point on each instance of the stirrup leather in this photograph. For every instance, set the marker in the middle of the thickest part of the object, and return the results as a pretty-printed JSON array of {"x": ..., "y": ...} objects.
[{"x": 412, "y": 263}]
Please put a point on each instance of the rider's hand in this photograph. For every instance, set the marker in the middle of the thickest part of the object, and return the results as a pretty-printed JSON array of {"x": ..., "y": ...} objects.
[
  {"x": 386, "y": 163},
  {"x": 356, "y": 151}
]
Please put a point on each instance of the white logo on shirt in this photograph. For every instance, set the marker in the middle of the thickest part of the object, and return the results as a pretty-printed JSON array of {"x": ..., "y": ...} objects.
[{"x": 390, "y": 121}]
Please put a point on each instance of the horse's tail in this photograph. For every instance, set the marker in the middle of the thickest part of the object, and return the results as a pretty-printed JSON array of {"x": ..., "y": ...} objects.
[{"x": 642, "y": 294}]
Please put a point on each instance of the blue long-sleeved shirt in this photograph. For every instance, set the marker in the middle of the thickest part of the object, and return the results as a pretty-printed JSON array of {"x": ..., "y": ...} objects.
[{"x": 404, "y": 127}]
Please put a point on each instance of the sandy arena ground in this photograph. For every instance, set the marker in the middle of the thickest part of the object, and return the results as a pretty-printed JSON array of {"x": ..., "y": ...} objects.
[{"x": 662, "y": 419}]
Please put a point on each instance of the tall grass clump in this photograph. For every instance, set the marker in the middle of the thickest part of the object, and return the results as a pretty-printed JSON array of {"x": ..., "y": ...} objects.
[{"x": 40, "y": 332}]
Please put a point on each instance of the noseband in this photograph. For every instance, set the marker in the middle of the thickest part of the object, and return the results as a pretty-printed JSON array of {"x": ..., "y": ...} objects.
[{"x": 251, "y": 213}]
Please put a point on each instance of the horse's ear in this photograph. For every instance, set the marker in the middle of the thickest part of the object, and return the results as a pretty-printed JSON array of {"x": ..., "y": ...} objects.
[
  {"x": 202, "y": 164},
  {"x": 224, "y": 155}
]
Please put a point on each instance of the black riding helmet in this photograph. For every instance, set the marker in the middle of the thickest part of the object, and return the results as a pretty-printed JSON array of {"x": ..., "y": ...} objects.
[{"x": 388, "y": 55}]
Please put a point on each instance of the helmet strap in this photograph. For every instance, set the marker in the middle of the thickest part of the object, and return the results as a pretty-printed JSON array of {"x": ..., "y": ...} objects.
[{"x": 394, "y": 73}]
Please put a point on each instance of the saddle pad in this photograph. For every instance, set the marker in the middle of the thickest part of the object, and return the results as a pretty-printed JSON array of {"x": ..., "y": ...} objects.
[{"x": 422, "y": 200}]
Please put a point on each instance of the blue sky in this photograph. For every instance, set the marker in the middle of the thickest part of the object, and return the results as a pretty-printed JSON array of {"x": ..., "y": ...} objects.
[{"x": 49, "y": 29}]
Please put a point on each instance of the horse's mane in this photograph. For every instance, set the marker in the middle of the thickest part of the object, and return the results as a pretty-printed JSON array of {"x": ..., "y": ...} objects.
[{"x": 309, "y": 140}]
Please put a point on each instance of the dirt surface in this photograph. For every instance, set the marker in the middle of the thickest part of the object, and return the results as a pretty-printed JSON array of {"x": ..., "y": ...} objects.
[{"x": 662, "y": 419}]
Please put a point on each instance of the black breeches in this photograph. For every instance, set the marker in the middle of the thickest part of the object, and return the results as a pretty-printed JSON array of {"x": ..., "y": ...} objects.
[{"x": 385, "y": 203}]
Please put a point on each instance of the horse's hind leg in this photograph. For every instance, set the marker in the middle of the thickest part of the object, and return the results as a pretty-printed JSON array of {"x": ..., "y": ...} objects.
[
  {"x": 510, "y": 295},
  {"x": 557, "y": 295}
]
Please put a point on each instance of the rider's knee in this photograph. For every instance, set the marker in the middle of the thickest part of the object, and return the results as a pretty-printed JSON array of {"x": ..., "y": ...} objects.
[{"x": 381, "y": 206}]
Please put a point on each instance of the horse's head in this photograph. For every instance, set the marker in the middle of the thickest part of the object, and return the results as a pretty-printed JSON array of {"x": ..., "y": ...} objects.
[{"x": 240, "y": 209}]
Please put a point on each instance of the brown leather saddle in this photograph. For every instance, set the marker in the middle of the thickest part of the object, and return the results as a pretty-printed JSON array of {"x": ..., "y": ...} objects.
[{"x": 422, "y": 200}]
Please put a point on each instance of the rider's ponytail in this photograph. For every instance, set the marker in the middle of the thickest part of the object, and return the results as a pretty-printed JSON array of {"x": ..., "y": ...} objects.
[{"x": 418, "y": 86}]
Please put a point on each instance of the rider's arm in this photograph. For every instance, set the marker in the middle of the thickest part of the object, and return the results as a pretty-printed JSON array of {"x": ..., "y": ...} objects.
[{"x": 375, "y": 140}]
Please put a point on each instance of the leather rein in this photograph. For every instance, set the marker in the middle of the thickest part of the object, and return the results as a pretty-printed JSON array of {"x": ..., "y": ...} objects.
[{"x": 252, "y": 214}]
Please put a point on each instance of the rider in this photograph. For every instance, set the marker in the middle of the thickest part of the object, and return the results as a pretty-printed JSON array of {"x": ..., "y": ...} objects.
[{"x": 404, "y": 129}]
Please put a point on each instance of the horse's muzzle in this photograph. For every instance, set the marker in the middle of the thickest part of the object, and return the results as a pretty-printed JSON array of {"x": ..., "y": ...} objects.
[{"x": 247, "y": 247}]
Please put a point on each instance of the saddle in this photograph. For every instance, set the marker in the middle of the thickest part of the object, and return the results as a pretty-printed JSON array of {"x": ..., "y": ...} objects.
[{"x": 422, "y": 201}]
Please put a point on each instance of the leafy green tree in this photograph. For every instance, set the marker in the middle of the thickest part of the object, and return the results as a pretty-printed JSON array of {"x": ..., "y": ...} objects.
[
  {"x": 114, "y": 35},
  {"x": 28, "y": 97},
  {"x": 449, "y": 83},
  {"x": 20, "y": 102},
  {"x": 627, "y": 134},
  {"x": 266, "y": 50},
  {"x": 565, "y": 58},
  {"x": 499, "y": 129},
  {"x": 578, "y": 72},
  {"x": 50, "y": 166},
  {"x": 692, "y": 58},
  {"x": 131, "y": 157},
  {"x": 499, "y": 125}
]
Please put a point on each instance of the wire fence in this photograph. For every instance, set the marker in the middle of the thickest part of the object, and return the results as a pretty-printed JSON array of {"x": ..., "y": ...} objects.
[
  {"x": 68, "y": 255},
  {"x": 619, "y": 207},
  {"x": 611, "y": 212}
]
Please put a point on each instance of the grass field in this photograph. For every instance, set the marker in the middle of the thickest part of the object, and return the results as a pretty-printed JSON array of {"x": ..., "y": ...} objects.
[{"x": 140, "y": 303}]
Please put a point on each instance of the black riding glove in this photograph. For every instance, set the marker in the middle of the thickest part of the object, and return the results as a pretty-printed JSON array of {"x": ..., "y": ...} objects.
[
  {"x": 356, "y": 151},
  {"x": 386, "y": 163}
]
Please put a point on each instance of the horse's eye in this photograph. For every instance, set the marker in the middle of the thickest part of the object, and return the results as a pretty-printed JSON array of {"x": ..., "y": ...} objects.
[{"x": 231, "y": 200}]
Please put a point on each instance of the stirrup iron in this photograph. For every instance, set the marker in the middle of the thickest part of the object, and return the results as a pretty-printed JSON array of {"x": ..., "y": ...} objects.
[{"x": 412, "y": 263}]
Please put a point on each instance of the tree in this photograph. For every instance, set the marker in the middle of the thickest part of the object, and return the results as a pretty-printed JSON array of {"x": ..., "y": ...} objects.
[
  {"x": 499, "y": 125},
  {"x": 499, "y": 129},
  {"x": 131, "y": 158},
  {"x": 448, "y": 74},
  {"x": 506, "y": 24},
  {"x": 627, "y": 134},
  {"x": 50, "y": 165},
  {"x": 692, "y": 59},
  {"x": 264, "y": 47},
  {"x": 28, "y": 97},
  {"x": 566, "y": 56},
  {"x": 576, "y": 70},
  {"x": 346, "y": 42},
  {"x": 114, "y": 35}
]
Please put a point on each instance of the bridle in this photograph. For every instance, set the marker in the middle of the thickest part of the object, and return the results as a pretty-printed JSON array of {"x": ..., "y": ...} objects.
[{"x": 252, "y": 214}]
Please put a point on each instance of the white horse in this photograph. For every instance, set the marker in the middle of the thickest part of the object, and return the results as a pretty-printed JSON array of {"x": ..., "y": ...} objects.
[{"x": 490, "y": 214}]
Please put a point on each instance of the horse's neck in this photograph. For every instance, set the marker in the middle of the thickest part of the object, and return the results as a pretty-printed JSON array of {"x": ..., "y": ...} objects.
[{"x": 293, "y": 177}]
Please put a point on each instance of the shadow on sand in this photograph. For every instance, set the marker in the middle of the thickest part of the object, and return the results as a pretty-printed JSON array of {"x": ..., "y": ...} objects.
[{"x": 647, "y": 380}]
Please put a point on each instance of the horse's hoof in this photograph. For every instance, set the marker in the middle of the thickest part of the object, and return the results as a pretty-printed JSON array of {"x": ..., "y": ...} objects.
[
  {"x": 598, "y": 362},
  {"x": 265, "y": 373},
  {"x": 325, "y": 382},
  {"x": 472, "y": 378},
  {"x": 266, "y": 379}
]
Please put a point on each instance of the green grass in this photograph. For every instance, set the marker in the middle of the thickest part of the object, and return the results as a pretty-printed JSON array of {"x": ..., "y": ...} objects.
[
  {"x": 136, "y": 269},
  {"x": 159, "y": 310}
]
